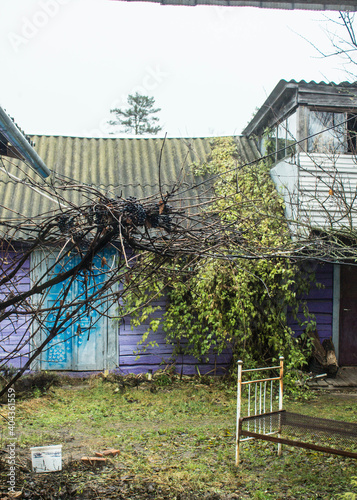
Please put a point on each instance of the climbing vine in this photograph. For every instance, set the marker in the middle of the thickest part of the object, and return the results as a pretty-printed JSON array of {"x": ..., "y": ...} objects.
[{"x": 240, "y": 302}]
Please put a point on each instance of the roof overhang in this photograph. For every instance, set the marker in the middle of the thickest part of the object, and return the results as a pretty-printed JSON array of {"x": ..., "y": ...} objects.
[
  {"x": 347, "y": 5},
  {"x": 287, "y": 96},
  {"x": 266, "y": 114},
  {"x": 13, "y": 143}
]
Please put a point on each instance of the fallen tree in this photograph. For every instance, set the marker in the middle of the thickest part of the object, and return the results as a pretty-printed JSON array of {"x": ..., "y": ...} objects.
[{"x": 162, "y": 239}]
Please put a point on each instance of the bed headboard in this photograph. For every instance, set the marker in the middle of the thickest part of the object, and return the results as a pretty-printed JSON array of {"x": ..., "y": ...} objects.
[{"x": 263, "y": 395}]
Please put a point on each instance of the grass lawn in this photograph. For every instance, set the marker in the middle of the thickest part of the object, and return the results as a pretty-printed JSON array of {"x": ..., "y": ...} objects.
[{"x": 176, "y": 441}]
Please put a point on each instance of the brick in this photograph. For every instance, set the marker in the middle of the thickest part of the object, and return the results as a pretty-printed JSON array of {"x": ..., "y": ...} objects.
[
  {"x": 112, "y": 452},
  {"x": 94, "y": 460}
]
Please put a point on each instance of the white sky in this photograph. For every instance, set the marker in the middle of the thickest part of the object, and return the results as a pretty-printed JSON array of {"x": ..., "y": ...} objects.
[{"x": 66, "y": 63}]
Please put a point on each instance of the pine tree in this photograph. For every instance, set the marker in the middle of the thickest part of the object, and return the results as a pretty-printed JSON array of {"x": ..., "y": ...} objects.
[{"x": 137, "y": 118}]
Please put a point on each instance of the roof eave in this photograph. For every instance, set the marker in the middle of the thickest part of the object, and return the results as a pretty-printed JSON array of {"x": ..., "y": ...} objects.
[
  {"x": 327, "y": 5},
  {"x": 255, "y": 126}
]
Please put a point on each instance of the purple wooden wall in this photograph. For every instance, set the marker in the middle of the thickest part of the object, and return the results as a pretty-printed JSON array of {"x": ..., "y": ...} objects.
[
  {"x": 158, "y": 357},
  {"x": 14, "y": 331},
  {"x": 320, "y": 303}
]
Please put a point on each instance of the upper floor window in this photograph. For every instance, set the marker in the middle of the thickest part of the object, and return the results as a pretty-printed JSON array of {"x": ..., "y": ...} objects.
[
  {"x": 326, "y": 132},
  {"x": 281, "y": 139},
  {"x": 286, "y": 137},
  {"x": 352, "y": 133}
]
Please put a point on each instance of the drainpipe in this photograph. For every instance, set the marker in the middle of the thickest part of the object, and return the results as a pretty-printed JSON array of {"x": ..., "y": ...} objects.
[{"x": 21, "y": 144}]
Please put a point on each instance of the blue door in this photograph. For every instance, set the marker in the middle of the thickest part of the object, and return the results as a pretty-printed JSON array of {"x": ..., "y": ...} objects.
[{"x": 88, "y": 340}]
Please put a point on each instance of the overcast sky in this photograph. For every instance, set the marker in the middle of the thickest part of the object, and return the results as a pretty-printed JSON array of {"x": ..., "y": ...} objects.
[{"x": 66, "y": 63}]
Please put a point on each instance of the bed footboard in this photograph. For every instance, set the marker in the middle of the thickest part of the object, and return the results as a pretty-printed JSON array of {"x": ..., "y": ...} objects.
[
  {"x": 263, "y": 421},
  {"x": 264, "y": 395}
]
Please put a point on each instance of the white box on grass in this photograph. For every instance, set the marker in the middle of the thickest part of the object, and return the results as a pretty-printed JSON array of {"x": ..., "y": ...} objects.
[{"x": 46, "y": 458}]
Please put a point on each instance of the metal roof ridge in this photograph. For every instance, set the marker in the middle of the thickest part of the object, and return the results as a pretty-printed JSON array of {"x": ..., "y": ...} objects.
[{"x": 138, "y": 138}]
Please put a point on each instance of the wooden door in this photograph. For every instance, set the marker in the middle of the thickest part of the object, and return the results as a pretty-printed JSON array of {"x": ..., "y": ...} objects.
[
  {"x": 348, "y": 316},
  {"x": 89, "y": 342}
]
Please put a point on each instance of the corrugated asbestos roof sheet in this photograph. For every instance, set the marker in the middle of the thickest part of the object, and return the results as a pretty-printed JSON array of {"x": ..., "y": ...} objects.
[
  {"x": 350, "y": 5},
  {"x": 127, "y": 167}
]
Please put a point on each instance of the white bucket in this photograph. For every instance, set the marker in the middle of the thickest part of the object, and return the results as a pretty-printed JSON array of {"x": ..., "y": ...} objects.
[{"x": 46, "y": 458}]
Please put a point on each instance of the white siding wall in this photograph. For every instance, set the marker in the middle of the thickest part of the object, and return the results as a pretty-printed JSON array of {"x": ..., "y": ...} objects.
[{"x": 319, "y": 191}]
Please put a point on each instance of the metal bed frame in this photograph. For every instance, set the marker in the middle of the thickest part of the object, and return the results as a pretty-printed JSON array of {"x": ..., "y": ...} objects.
[{"x": 267, "y": 420}]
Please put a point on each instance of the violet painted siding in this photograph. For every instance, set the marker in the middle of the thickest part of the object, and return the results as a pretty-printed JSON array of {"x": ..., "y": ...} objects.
[
  {"x": 14, "y": 331},
  {"x": 159, "y": 356},
  {"x": 320, "y": 303}
]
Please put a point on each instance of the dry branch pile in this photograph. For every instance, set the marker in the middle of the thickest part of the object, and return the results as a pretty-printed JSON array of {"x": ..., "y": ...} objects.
[{"x": 77, "y": 236}]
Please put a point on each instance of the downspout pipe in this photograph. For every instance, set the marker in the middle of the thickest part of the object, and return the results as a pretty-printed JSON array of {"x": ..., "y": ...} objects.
[{"x": 21, "y": 144}]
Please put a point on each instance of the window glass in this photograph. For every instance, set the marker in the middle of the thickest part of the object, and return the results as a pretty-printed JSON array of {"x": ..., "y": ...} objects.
[
  {"x": 352, "y": 134},
  {"x": 281, "y": 143},
  {"x": 268, "y": 142},
  {"x": 291, "y": 139},
  {"x": 326, "y": 132}
]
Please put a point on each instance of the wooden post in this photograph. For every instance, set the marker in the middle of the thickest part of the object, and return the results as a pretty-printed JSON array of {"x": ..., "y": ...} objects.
[{"x": 239, "y": 408}]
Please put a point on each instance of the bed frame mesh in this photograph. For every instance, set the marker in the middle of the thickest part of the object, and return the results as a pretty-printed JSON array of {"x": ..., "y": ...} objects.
[{"x": 330, "y": 433}]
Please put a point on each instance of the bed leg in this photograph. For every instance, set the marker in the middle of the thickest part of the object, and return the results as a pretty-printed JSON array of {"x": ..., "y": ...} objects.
[
  {"x": 280, "y": 451},
  {"x": 281, "y": 392},
  {"x": 239, "y": 432},
  {"x": 237, "y": 454},
  {"x": 239, "y": 408}
]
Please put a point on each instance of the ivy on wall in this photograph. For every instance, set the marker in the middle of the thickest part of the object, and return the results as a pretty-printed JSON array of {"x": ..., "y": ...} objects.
[{"x": 240, "y": 302}]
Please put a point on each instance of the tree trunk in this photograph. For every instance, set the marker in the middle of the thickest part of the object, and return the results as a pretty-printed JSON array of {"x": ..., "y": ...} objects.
[
  {"x": 323, "y": 357},
  {"x": 331, "y": 360}
]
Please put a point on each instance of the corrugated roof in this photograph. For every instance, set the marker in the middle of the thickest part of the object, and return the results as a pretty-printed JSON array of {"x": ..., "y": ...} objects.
[
  {"x": 127, "y": 167},
  {"x": 350, "y": 5}
]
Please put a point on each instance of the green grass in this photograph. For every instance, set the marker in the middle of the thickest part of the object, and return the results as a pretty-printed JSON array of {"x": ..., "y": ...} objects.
[{"x": 175, "y": 440}]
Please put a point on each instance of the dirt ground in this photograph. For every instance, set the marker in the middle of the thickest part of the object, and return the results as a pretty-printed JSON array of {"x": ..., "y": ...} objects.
[
  {"x": 60, "y": 486},
  {"x": 64, "y": 485},
  {"x": 81, "y": 481}
]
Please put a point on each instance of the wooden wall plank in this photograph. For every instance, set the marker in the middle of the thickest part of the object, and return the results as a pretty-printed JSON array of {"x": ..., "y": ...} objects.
[
  {"x": 319, "y": 302},
  {"x": 14, "y": 332},
  {"x": 154, "y": 355}
]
